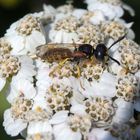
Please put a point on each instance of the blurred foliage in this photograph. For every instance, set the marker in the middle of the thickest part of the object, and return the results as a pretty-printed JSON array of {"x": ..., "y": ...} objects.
[
  {"x": 12, "y": 10},
  {"x": 9, "y": 3}
]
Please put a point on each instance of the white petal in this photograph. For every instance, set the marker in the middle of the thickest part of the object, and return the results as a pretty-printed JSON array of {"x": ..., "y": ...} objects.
[
  {"x": 100, "y": 134},
  {"x": 34, "y": 40},
  {"x": 62, "y": 36},
  {"x": 19, "y": 86},
  {"x": 13, "y": 127},
  {"x": 105, "y": 8},
  {"x": 124, "y": 111},
  {"x": 105, "y": 87},
  {"x": 49, "y": 10},
  {"x": 62, "y": 132},
  {"x": 39, "y": 127},
  {"x": 18, "y": 44},
  {"x": 59, "y": 117},
  {"x": 78, "y": 13},
  {"x": 78, "y": 109},
  {"x": 129, "y": 9},
  {"x": 97, "y": 18}
]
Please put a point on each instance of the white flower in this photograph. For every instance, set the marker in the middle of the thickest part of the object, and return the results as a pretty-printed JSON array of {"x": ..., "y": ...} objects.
[
  {"x": 73, "y": 128},
  {"x": 63, "y": 132},
  {"x": 43, "y": 78},
  {"x": 78, "y": 13},
  {"x": 5, "y": 46},
  {"x": 127, "y": 52},
  {"x": 100, "y": 111},
  {"x": 27, "y": 68},
  {"x": 105, "y": 87},
  {"x": 124, "y": 111},
  {"x": 39, "y": 130},
  {"x": 100, "y": 134},
  {"x": 59, "y": 117},
  {"x": 95, "y": 17},
  {"x": 20, "y": 87},
  {"x": 56, "y": 99},
  {"x": 25, "y": 35},
  {"x": 13, "y": 126},
  {"x": 127, "y": 88},
  {"x": 67, "y": 8},
  {"x": 9, "y": 66},
  {"x": 116, "y": 29},
  {"x": 49, "y": 11},
  {"x": 109, "y": 10},
  {"x": 64, "y": 30}
]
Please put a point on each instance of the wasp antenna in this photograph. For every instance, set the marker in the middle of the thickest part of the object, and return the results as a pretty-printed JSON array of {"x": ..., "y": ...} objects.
[
  {"x": 121, "y": 38},
  {"x": 114, "y": 60}
]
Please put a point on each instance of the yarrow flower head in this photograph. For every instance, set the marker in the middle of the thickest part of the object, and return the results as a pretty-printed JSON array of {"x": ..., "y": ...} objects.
[
  {"x": 100, "y": 111},
  {"x": 72, "y": 73},
  {"x": 9, "y": 65},
  {"x": 110, "y": 8},
  {"x": 5, "y": 46},
  {"x": 90, "y": 34}
]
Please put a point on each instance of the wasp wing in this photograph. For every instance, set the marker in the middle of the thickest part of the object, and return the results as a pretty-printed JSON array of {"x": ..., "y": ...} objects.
[{"x": 41, "y": 50}]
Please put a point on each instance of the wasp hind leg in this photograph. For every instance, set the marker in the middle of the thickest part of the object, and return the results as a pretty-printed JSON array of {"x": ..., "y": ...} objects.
[
  {"x": 78, "y": 71},
  {"x": 60, "y": 65},
  {"x": 63, "y": 62}
]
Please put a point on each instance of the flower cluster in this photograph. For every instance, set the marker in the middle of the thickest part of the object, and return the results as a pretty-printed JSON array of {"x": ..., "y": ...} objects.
[{"x": 59, "y": 91}]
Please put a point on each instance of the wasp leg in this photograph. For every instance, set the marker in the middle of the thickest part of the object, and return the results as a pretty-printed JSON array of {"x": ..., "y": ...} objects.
[
  {"x": 79, "y": 71},
  {"x": 60, "y": 65},
  {"x": 63, "y": 62}
]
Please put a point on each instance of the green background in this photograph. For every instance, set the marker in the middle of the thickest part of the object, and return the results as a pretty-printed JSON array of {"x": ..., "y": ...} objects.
[{"x": 12, "y": 10}]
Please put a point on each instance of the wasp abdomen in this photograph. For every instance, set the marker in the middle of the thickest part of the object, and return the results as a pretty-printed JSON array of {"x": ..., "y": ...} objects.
[{"x": 58, "y": 54}]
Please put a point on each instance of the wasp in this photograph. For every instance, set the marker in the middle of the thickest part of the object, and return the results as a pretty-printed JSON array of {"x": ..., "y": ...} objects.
[{"x": 61, "y": 51}]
